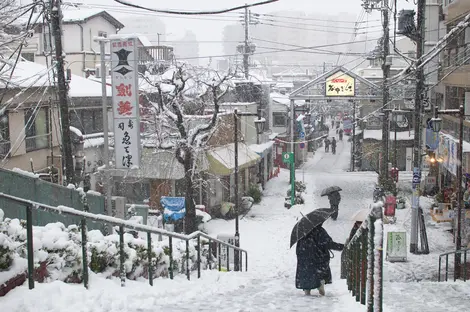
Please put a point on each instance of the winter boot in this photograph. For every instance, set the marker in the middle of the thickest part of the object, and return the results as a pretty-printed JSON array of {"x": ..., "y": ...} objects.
[
  {"x": 321, "y": 289},
  {"x": 307, "y": 292}
]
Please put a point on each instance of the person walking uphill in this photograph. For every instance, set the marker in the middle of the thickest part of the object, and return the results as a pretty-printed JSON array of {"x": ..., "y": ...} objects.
[
  {"x": 313, "y": 260},
  {"x": 335, "y": 199}
]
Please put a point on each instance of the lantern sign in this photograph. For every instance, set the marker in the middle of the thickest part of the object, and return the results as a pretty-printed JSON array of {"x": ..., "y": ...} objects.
[
  {"x": 340, "y": 84},
  {"x": 124, "y": 75}
]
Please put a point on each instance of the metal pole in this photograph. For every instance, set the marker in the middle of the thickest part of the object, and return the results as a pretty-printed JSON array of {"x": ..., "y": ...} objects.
[
  {"x": 417, "y": 121},
  {"x": 104, "y": 101},
  {"x": 56, "y": 17},
  {"x": 237, "y": 233},
  {"x": 386, "y": 74},
  {"x": 354, "y": 137},
  {"x": 292, "y": 146},
  {"x": 246, "y": 54},
  {"x": 458, "y": 240},
  {"x": 29, "y": 245},
  {"x": 395, "y": 160}
]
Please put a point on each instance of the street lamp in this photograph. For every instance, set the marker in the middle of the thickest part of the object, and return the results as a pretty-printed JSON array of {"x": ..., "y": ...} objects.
[
  {"x": 259, "y": 124},
  {"x": 436, "y": 126}
]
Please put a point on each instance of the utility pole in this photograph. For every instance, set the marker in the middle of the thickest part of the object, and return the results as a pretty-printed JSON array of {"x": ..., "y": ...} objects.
[
  {"x": 246, "y": 53},
  {"x": 385, "y": 92},
  {"x": 354, "y": 123},
  {"x": 417, "y": 124},
  {"x": 236, "y": 255},
  {"x": 104, "y": 100},
  {"x": 56, "y": 16}
]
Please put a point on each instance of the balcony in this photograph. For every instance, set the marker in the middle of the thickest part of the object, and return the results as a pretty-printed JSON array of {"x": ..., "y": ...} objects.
[
  {"x": 156, "y": 54},
  {"x": 450, "y": 125},
  {"x": 37, "y": 142}
]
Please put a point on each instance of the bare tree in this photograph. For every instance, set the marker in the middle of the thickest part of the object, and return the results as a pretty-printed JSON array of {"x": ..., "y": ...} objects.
[{"x": 187, "y": 91}]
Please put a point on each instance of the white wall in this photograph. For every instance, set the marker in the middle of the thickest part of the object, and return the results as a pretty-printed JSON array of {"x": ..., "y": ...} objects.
[{"x": 91, "y": 29}]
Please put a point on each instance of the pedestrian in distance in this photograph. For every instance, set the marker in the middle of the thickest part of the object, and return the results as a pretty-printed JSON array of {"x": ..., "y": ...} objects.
[
  {"x": 341, "y": 134},
  {"x": 313, "y": 260},
  {"x": 333, "y": 145},
  {"x": 327, "y": 145},
  {"x": 335, "y": 199}
]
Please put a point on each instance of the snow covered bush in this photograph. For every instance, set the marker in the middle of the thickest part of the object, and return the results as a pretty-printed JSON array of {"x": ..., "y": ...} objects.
[
  {"x": 104, "y": 256},
  {"x": 57, "y": 251},
  {"x": 6, "y": 252},
  {"x": 300, "y": 188},
  {"x": 255, "y": 193}
]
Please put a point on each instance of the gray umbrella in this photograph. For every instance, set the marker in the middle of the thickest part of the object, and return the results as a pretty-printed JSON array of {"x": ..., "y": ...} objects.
[
  {"x": 308, "y": 223},
  {"x": 330, "y": 190}
]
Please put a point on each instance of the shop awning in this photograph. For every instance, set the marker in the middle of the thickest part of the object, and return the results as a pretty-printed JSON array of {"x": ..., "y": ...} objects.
[{"x": 222, "y": 158}]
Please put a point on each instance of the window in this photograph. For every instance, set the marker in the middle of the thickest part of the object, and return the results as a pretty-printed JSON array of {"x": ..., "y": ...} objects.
[
  {"x": 28, "y": 56},
  {"x": 279, "y": 119},
  {"x": 87, "y": 120},
  {"x": 4, "y": 135},
  {"x": 37, "y": 129},
  {"x": 103, "y": 34}
]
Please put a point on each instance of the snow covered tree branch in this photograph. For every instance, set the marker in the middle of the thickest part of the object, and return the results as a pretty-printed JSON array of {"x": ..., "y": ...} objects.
[{"x": 170, "y": 95}]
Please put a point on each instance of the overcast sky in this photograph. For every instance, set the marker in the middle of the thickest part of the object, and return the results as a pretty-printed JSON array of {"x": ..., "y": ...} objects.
[{"x": 209, "y": 28}]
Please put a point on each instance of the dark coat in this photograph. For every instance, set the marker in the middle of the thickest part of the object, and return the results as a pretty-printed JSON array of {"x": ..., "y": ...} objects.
[{"x": 313, "y": 259}]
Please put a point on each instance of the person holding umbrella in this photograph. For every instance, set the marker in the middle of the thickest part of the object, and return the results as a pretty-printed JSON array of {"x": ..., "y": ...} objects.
[
  {"x": 334, "y": 197},
  {"x": 313, "y": 251}
]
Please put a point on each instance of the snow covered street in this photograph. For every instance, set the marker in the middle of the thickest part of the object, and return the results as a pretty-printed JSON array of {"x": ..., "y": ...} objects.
[{"x": 269, "y": 283}]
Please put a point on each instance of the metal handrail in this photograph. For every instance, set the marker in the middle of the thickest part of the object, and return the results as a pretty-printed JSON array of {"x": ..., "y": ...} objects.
[
  {"x": 30, "y": 205},
  {"x": 364, "y": 261},
  {"x": 447, "y": 254}
]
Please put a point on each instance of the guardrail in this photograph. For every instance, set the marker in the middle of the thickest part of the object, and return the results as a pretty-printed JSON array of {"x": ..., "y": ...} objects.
[
  {"x": 364, "y": 265},
  {"x": 464, "y": 263},
  {"x": 30, "y": 205}
]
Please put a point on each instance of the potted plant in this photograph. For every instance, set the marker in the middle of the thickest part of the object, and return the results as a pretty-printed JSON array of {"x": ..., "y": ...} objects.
[{"x": 401, "y": 203}]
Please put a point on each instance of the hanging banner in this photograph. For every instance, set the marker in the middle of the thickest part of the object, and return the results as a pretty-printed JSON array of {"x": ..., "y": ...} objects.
[
  {"x": 124, "y": 75},
  {"x": 340, "y": 84}
]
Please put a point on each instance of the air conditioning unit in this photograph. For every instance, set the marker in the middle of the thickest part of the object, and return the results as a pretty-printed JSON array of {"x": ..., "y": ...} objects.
[{"x": 118, "y": 208}]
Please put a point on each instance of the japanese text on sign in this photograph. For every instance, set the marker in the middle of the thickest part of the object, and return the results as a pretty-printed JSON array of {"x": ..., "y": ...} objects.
[
  {"x": 340, "y": 84},
  {"x": 124, "y": 75}
]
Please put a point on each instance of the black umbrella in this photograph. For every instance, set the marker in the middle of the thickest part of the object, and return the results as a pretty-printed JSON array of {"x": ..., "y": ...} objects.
[
  {"x": 308, "y": 223},
  {"x": 330, "y": 190}
]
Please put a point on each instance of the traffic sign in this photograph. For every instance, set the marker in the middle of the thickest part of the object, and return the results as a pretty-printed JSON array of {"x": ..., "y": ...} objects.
[
  {"x": 302, "y": 145},
  {"x": 287, "y": 157},
  {"x": 302, "y": 135},
  {"x": 416, "y": 176}
]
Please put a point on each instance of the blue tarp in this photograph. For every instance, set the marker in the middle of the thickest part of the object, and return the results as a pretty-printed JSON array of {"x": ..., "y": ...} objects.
[{"x": 174, "y": 208}]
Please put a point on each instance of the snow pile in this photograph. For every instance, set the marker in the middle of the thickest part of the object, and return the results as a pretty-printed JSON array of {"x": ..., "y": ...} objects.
[{"x": 25, "y": 173}]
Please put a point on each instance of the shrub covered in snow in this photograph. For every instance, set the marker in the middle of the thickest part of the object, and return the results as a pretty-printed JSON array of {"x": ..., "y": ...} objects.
[{"x": 59, "y": 249}]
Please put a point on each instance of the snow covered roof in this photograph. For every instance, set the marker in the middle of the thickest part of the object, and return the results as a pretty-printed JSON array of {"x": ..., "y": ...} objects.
[
  {"x": 75, "y": 15},
  {"x": 280, "y": 98},
  {"x": 222, "y": 158},
  {"x": 28, "y": 74},
  {"x": 377, "y": 135},
  {"x": 261, "y": 148},
  {"x": 145, "y": 41}
]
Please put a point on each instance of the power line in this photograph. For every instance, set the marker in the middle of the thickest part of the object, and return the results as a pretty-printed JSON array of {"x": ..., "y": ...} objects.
[
  {"x": 212, "y": 12},
  {"x": 319, "y": 30},
  {"x": 287, "y": 50},
  {"x": 313, "y": 19},
  {"x": 311, "y": 25}
]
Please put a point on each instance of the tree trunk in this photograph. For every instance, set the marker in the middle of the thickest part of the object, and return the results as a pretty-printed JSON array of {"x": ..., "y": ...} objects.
[{"x": 190, "y": 217}]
